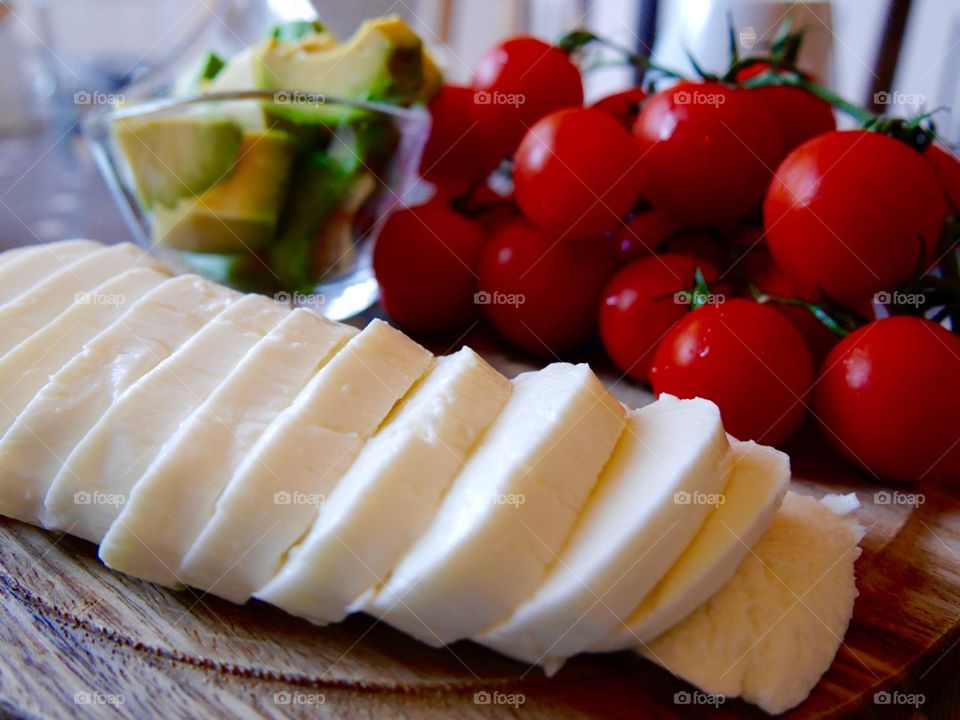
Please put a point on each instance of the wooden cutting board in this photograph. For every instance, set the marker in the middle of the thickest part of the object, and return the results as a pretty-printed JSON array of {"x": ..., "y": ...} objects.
[{"x": 82, "y": 641}]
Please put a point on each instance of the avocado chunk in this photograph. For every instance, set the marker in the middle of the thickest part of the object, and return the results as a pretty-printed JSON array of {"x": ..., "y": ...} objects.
[
  {"x": 382, "y": 61},
  {"x": 175, "y": 157},
  {"x": 240, "y": 213}
]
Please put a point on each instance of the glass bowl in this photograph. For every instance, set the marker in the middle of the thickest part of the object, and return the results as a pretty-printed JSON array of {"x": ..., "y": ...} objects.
[{"x": 280, "y": 193}]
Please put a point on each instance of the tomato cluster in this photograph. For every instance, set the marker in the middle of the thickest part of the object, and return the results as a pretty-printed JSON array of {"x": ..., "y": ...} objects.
[{"x": 720, "y": 237}]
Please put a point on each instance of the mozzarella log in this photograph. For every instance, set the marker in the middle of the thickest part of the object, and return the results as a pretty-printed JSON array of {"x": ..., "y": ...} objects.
[{"x": 232, "y": 444}]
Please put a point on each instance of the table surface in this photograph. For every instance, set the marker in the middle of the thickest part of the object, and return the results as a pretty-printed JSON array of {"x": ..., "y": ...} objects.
[{"x": 51, "y": 190}]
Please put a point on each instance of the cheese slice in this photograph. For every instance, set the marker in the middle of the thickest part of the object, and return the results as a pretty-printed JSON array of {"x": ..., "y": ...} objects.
[
  {"x": 665, "y": 476},
  {"x": 25, "y": 267},
  {"x": 36, "y": 445},
  {"x": 772, "y": 631},
  {"x": 11, "y": 253},
  {"x": 509, "y": 511},
  {"x": 30, "y": 311},
  {"x": 272, "y": 499},
  {"x": 116, "y": 452},
  {"x": 27, "y": 368},
  {"x": 391, "y": 492},
  {"x": 757, "y": 479},
  {"x": 194, "y": 466}
]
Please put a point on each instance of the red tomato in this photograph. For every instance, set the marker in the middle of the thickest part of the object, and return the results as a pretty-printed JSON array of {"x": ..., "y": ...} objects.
[
  {"x": 802, "y": 114},
  {"x": 426, "y": 261},
  {"x": 709, "y": 150},
  {"x": 852, "y": 213},
  {"x": 947, "y": 168},
  {"x": 577, "y": 173},
  {"x": 458, "y": 149},
  {"x": 746, "y": 238},
  {"x": 541, "y": 295},
  {"x": 888, "y": 398},
  {"x": 640, "y": 305},
  {"x": 770, "y": 279},
  {"x": 700, "y": 244},
  {"x": 643, "y": 234},
  {"x": 518, "y": 82},
  {"x": 624, "y": 106},
  {"x": 745, "y": 357}
]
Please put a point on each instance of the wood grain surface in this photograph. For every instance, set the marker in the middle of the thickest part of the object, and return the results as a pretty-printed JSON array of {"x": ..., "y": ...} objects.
[{"x": 82, "y": 641}]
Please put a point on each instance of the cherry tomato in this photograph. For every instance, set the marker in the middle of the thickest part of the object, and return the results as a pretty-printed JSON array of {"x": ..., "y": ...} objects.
[
  {"x": 624, "y": 106},
  {"x": 458, "y": 149},
  {"x": 541, "y": 295},
  {"x": 851, "y": 213},
  {"x": 947, "y": 168},
  {"x": 802, "y": 114},
  {"x": 745, "y": 357},
  {"x": 700, "y": 244},
  {"x": 888, "y": 398},
  {"x": 709, "y": 150},
  {"x": 518, "y": 82},
  {"x": 577, "y": 173},
  {"x": 643, "y": 234},
  {"x": 640, "y": 304},
  {"x": 745, "y": 238},
  {"x": 770, "y": 279},
  {"x": 426, "y": 260}
]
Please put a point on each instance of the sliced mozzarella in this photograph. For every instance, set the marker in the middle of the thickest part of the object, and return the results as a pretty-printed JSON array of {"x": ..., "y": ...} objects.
[
  {"x": 773, "y": 629},
  {"x": 195, "y": 465},
  {"x": 116, "y": 452},
  {"x": 392, "y": 491},
  {"x": 30, "y": 311},
  {"x": 37, "y": 444},
  {"x": 509, "y": 511},
  {"x": 27, "y": 368},
  {"x": 25, "y": 267},
  {"x": 758, "y": 477},
  {"x": 664, "y": 477},
  {"x": 11, "y": 253},
  {"x": 272, "y": 499}
]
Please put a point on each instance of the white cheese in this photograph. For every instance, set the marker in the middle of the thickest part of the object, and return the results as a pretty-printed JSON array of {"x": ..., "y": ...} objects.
[
  {"x": 116, "y": 452},
  {"x": 25, "y": 267},
  {"x": 195, "y": 465},
  {"x": 771, "y": 632},
  {"x": 509, "y": 511},
  {"x": 30, "y": 311},
  {"x": 758, "y": 477},
  {"x": 665, "y": 476},
  {"x": 36, "y": 445},
  {"x": 27, "y": 368},
  {"x": 392, "y": 491},
  {"x": 273, "y": 497}
]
